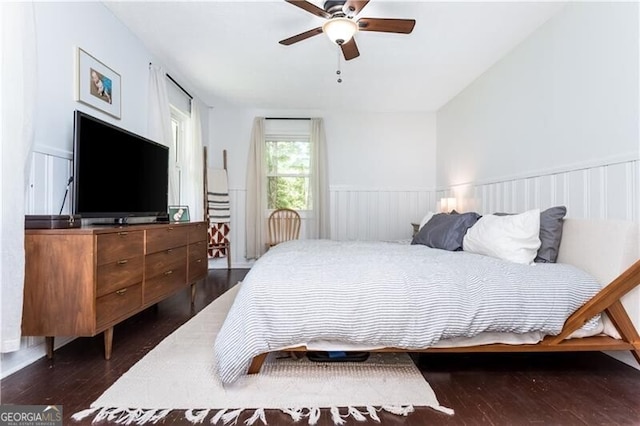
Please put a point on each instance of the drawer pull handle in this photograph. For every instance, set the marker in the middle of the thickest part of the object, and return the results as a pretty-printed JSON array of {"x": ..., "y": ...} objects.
[
  {"x": 169, "y": 251},
  {"x": 170, "y": 228},
  {"x": 199, "y": 261},
  {"x": 121, "y": 292},
  {"x": 168, "y": 273},
  {"x": 123, "y": 233},
  {"x": 123, "y": 261}
]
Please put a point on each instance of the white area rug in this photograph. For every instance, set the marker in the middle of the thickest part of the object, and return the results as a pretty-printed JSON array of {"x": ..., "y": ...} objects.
[{"x": 178, "y": 375}]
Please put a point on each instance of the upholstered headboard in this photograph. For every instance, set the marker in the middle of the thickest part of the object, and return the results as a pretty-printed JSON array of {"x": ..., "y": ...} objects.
[{"x": 604, "y": 248}]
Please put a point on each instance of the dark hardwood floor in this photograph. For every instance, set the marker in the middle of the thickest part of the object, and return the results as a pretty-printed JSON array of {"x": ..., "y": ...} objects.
[{"x": 483, "y": 389}]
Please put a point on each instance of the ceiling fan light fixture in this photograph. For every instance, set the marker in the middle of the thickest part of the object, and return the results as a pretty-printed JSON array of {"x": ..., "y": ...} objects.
[{"x": 340, "y": 30}]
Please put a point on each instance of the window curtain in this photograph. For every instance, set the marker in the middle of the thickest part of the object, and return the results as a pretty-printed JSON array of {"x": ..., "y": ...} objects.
[
  {"x": 192, "y": 172},
  {"x": 319, "y": 225},
  {"x": 18, "y": 79},
  {"x": 256, "y": 227},
  {"x": 159, "y": 124}
]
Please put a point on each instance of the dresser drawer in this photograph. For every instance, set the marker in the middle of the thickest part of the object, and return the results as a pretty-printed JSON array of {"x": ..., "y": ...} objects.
[
  {"x": 121, "y": 273},
  {"x": 197, "y": 269},
  {"x": 119, "y": 245},
  {"x": 163, "y": 261},
  {"x": 198, "y": 232},
  {"x": 163, "y": 285},
  {"x": 166, "y": 237},
  {"x": 119, "y": 304},
  {"x": 198, "y": 250}
]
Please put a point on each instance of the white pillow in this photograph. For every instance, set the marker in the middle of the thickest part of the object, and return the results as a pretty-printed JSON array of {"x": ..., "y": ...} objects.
[
  {"x": 426, "y": 219},
  {"x": 513, "y": 238}
]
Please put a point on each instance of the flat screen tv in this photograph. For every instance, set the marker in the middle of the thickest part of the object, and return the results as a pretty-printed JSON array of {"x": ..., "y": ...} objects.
[{"x": 117, "y": 174}]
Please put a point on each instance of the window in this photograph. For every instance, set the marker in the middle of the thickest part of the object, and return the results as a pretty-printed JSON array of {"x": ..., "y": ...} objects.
[
  {"x": 288, "y": 172},
  {"x": 179, "y": 123}
]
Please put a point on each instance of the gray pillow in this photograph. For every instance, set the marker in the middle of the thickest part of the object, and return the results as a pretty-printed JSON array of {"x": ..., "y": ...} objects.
[
  {"x": 551, "y": 222},
  {"x": 446, "y": 231}
]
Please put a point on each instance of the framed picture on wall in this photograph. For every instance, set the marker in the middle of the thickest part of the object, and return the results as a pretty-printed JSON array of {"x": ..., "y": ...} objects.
[
  {"x": 97, "y": 85},
  {"x": 179, "y": 214}
]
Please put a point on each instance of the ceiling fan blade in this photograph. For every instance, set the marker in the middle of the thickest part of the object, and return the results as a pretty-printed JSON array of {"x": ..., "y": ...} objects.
[
  {"x": 302, "y": 36},
  {"x": 350, "y": 49},
  {"x": 310, "y": 7},
  {"x": 353, "y": 7},
  {"x": 400, "y": 26}
]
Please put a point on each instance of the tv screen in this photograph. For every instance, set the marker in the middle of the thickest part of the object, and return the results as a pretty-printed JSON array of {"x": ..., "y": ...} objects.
[{"x": 117, "y": 174}]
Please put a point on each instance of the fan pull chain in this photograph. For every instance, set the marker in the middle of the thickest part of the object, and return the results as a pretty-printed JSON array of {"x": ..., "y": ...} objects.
[{"x": 338, "y": 72}]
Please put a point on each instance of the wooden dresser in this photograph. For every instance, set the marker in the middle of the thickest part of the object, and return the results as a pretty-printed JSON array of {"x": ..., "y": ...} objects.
[{"x": 83, "y": 281}]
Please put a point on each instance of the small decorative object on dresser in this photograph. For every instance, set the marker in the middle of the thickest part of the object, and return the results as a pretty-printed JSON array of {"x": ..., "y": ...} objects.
[{"x": 179, "y": 214}]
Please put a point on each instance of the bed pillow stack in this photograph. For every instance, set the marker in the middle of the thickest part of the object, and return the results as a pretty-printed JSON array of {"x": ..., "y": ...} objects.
[{"x": 529, "y": 237}]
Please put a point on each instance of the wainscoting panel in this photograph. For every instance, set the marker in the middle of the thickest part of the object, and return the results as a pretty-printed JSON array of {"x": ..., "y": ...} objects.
[
  {"x": 600, "y": 192},
  {"x": 47, "y": 184},
  {"x": 369, "y": 214}
]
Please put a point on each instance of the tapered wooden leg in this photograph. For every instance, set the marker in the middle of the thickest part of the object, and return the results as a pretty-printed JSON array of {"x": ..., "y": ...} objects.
[
  {"x": 228, "y": 255},
  {"x": 193, "y": 294},
  {"x": 108, "y": 342},
  {"x": 256, "y": 363},
  {"x": 49, "y": 343}
]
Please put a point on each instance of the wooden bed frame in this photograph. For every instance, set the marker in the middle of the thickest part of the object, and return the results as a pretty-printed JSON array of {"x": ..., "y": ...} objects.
[{"x": 607, "y": 301}]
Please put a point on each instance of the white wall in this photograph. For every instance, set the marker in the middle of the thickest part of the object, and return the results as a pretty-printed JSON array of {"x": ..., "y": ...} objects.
[
  {"x": 566, "y": 97},
  {"x": 555, "y": 122},
  {"x": 381, "y": 169},
  {"x": 61, "y": 27}
]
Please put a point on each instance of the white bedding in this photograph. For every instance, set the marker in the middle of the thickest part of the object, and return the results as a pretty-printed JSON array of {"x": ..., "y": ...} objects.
[{"x": 377, "y": 294}]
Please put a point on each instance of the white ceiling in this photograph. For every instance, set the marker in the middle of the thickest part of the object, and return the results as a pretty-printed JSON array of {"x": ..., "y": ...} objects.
[{"x": 228, "y": 51}]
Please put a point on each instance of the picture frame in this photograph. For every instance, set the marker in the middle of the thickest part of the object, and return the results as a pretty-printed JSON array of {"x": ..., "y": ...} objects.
[
  {"x": 179, "y": 214},
  {"x": 97, "y": 85}
]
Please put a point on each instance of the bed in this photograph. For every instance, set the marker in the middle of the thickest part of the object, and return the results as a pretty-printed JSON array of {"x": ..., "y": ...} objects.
[{"x": 388, "y": 296}]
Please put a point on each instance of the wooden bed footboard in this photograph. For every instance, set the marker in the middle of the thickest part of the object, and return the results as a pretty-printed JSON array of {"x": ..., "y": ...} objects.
[{"x": 606, "y": 301}]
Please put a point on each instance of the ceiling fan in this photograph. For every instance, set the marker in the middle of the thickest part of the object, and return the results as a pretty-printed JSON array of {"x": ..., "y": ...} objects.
[{"x": 340, "y": 26}]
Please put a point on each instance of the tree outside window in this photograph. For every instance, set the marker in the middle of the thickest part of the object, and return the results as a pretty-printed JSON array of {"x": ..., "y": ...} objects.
[{"x": 288, "y": 173}]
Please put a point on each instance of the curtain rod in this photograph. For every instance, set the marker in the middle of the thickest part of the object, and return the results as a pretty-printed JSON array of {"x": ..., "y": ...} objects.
[
  {"x": 177, "y": 84},
  {"x": 287, "y": 118},
  {"x": 179, "y": 87}
]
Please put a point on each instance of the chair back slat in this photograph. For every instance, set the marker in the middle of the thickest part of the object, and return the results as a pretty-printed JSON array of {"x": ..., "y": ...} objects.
[{"x": 284, "y": 225}]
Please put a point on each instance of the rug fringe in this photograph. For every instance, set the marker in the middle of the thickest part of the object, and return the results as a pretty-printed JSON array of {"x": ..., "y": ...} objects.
[
  {"x": 336, "y": 416},
  {"x": 258, "y": 414},
  {"x": 314, "y": 416},
  {"x": 195, "y": 416},
  {"x": 296, "y": 414},
  {"x": 398, "y": 410},
  {"x": 226, "y": 417},
  {"x": 80, "y": 415},
  {"x": 373, "y": 413},
  {"x": 442, "y": 409},
  {"x": 125, "y": 416}
]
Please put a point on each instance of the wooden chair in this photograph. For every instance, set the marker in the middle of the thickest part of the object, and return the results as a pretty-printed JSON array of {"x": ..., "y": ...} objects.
[{"x": 284, "y": 225}]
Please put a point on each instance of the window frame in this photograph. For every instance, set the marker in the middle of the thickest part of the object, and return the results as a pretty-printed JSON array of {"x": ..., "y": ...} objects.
[{"x": 290, "y": 137}]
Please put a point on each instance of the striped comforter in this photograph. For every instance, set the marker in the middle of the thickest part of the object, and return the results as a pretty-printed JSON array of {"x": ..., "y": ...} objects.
[{"x": 392, "y": 295}]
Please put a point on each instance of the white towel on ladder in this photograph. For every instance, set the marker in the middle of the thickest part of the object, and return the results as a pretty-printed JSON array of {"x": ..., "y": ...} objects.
[{"x": 218, "y": 196}]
